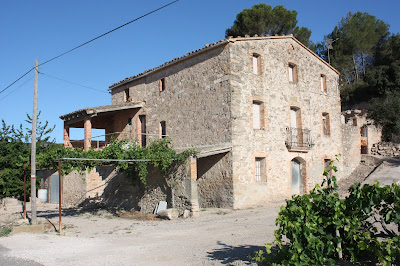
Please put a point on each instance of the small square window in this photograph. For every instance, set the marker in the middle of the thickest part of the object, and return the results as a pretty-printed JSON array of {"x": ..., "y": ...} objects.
[{"x": 162, "y": 85}]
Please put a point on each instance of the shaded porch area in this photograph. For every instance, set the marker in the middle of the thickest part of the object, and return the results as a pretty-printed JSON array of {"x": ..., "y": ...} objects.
[{"x": 116, "y": 120}]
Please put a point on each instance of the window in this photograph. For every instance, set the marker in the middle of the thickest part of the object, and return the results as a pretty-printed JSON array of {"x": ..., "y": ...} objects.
[
  {"x": 256, "y": 64},
  {"x": 296, "y": 132},
  {"x": 142, "y": 130},
  {"x": 328, "y": 167},
  {"x": 364, "y": 131},
  {"x": 326, "y": 124},
  {"x": 162, "y": 84},
  {"x": 323, "y": 83},
  {"x": 260, "y": 170},
  {"x": 292, "y": 70},
  {"x": 126, "y": 95},
  {"x": 355, "y": 121},
  {"x": 163, "y": 129},
  {"x": 258, "y": 115}
]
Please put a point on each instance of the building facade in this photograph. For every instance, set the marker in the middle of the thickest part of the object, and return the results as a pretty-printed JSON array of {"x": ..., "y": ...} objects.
[{"x": 263, "y": 111}]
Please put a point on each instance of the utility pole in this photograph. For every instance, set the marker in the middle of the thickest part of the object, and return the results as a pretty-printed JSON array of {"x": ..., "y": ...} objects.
[{"x": 33, "y": 149}]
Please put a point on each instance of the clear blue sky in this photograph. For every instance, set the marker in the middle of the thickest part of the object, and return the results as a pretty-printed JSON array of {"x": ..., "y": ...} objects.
[{"x": 43, "y": 29}]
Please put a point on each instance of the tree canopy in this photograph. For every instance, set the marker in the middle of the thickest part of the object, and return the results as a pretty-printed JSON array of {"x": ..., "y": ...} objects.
[
  {"x": 356, "y": 37},
  {"x": 262, "y": 19}
]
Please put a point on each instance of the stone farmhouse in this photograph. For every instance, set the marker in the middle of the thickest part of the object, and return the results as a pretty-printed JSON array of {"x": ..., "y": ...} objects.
[{"x": 264, "y": 112}]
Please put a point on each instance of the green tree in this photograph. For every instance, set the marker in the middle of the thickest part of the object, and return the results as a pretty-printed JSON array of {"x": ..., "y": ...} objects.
[
  {"x": 385, "y": 111},
  {"x": 15, "y": 150},
  {"x": 356, "y": 37},
  {"x": 384, "y": 75},
  {"x": 262, "y": 19}
]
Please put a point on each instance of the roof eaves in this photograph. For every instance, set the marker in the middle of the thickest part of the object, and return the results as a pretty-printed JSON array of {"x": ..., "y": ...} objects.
[
  {"x": 169, "y": 63},
  {"x": 212, "y": 46}
]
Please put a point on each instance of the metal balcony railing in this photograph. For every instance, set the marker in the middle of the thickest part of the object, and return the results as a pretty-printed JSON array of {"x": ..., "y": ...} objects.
[{"x": 298, "y": 138}]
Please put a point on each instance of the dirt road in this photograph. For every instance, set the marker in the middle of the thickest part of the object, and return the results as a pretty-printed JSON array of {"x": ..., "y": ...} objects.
[{"x": 216, "y": 237}]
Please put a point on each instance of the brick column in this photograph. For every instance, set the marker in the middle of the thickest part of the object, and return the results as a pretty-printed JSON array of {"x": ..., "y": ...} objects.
[
  {"x": 193, "y": 168},
  {"x": 87, "y": 142},
  {"x": 67, "y": 142}
]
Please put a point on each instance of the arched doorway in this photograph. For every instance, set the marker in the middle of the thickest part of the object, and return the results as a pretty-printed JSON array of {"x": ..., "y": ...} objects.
[{"x": 297, "y": 167}]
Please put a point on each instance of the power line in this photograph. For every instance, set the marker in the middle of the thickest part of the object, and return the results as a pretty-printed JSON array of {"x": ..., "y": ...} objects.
[
  {"x": 17, "y": 80},
  {"x": 73, "y": 83},
  {"x": 16, "y": 88},
  {"x": 98, "y": 37}
]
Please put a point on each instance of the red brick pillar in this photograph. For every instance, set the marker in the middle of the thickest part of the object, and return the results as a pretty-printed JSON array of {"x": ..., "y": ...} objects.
[
  {"x": 87, "y": 142},
  {"x": 67, "y": 142},
  {"x": 193, "y": 168}
]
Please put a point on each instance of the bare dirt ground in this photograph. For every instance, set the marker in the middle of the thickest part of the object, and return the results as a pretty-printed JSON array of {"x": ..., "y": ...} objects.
[{"x": 217, "y": 237}]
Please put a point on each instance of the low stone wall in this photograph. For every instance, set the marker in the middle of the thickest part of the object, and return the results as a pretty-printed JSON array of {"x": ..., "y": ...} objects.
[
  {"x": 351, "y": 151},
  {"x": 128, "y": 193},
  {"x": 387, "y": 149}
]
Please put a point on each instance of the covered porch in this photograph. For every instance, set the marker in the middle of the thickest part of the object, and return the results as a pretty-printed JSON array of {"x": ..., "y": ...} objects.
[{"x": 116, "y": 120}]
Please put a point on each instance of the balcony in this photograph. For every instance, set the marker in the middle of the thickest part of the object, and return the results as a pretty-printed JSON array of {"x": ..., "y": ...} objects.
[{"x": 298, "y": 139}]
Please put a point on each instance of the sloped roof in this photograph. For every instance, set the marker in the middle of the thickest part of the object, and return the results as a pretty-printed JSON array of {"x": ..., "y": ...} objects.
[
  {"x": 214, "y": 45},
  {"x": 103, "y": 109}
]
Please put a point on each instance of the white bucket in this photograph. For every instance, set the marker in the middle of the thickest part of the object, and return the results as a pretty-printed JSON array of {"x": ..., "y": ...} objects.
[{"x": 42, "y": 195}]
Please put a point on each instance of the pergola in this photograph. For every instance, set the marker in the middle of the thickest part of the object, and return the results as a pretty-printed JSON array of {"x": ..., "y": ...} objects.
[{"x": 115, "y": 119}]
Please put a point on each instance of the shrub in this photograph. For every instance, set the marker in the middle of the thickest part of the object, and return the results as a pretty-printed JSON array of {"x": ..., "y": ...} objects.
[{"x": 318, "y": 228}]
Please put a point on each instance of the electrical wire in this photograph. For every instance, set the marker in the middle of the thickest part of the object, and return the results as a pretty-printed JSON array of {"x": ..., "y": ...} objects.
[
  {"x": 17, "y": 88},
  {"x": 83, "y": 44},
  {"x": 17, "y": 81},
  {"x": 73, "y": 83}
]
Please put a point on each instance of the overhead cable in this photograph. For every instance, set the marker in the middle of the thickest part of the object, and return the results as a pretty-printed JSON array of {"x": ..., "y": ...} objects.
[
  {"x": 17, "y": 88},
  {"x": 73, "y": 83},
  {"x": 83, "y": 44}
]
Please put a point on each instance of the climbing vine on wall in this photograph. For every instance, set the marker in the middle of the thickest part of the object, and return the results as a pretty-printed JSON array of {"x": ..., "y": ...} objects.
[{"x": 159, "y": 154}]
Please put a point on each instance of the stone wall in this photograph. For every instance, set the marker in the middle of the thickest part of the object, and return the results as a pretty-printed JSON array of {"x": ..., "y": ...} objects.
[
  {"x": 271, "y": 86},
  {"x": 107, "y": 187},
  {"x": 74, "y": 186},
  {"x": 214, "y": 181},
  {"x": 195, "y": 103},
  {"x": 387, "y": 149},
  {"x": 351, "y": 153},
  {"x": 374, "y": 136}
]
